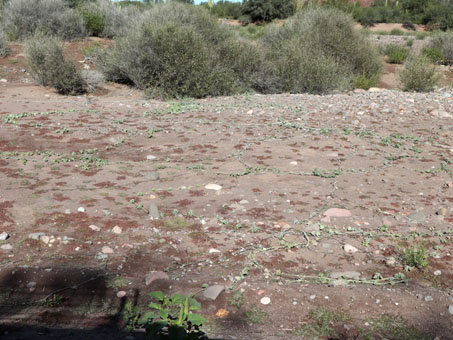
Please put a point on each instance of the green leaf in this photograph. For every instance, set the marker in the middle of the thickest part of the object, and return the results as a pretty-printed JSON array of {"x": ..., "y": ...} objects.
[
  {"x": 164, "y": 314},
  {"x": 153, "y": 329},
  {"x": 147, "y": 318},
  {"x": 155, "y": 306},
  {"x": 194, "y": 304},
  {"x": 195, "y": 319},
  {"x": 178, "y": 299},
  {"x": 158, "y": 295}
]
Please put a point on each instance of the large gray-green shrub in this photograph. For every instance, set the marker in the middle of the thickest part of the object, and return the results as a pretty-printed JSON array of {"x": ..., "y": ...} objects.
[
  {"x": 49, "y": 67},
  {"x": 418, "y": 74},
  {"x": 443, "y": 43},
  {"x": 319, "y": 51},
  {"x": 22, "y": 18},
  {"x": 178, "y": 50}
]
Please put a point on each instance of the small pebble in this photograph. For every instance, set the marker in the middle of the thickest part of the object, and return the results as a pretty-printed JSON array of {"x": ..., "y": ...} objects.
[{"x": 265, "y": 300}]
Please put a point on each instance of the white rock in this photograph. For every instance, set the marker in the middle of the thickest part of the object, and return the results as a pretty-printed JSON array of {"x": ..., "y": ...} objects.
[
  {"x": 450, "y": 309},
  {"x": 94, "y": 227},
  {"x": 45, "y": 239},
  {"x": 107, "y": 250},
  {"x": 350, "y": 249},
  {"x": 213, "y": 251},
  {"x": 67, "y": 211},
  {"x": 117, "y": 230},
  {"x": 4, "y": 236},
  {"x": 265, "y": 300},
  {"x": 212, "y": 186},
  {"x": 293, "y": 163},
  {"x": 438, "y": 273},
  {"x": 121, "y": 294},
  {"x": 3, "y": 80},
  {"x": 81, "y": 209},
  {"x": 6, "y": 247},
  {"x": 151, "y": 157}
]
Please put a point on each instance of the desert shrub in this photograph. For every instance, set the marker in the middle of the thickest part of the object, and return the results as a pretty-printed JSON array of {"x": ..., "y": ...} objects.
[
  {"x": 434, "y": 54},
  {"x": 105, "y": 19},
  {"x": 267, "y": 10},
  {"x": 396, "y": 54},
  {"x": 225, "y": 9},
  {"x": 178, "y": 50},
  {"x": 49, "y": 67},
  {"x": 396, "y": 31},
  {"x": 444, "y": 43},
  {"x": 418, "y": 74},
  {"x": 22, "y": 18},
  {"x": 318, "y": 51},
  {"x": 365, "y": 82},
  {"x": 4, "y": 49}
]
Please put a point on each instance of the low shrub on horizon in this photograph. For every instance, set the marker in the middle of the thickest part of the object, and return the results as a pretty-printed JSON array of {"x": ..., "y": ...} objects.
[
  {"x": 49, "y": 67},
  {"x": 418, "y": 74},
  {"x": 396, "y": 54}
]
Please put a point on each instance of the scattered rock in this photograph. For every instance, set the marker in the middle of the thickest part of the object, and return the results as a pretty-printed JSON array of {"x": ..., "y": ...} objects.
[
  {"x": 67, "y": 211},
  {"x": 265, "y": 300},
  {"x": 428, "y": 298},
  {"x": 214, "y": 251},
  {"x": 293, "y": 163},
  {"x": 312, "y": 297},
  {"x": 155, "y": 275},
  {"x": 45, "y": 239},
  {"x": 153, "y": 212},
  {"x": 31, "y": 284},
  {"x": 117, "y": 230},
  {"x": 212, "y": 292},
  {"x": 374, "y": 89},
  {"x": 153, "y": 176},
  {"x": 222, "y": 313},
  {"x": 450, "y": 309},
  {"x": 390, "y": 261},
  {"x": 4, "y": 236},
  {"x": 121, "y": 294},
  {"x": 94, "y": 227},
  {"x": 6, "y": 246},
  {"x": 345, "y": 275},
  {"x": 244, "y": 202},
  {"x": 100, "y": 256},
  {"x": 441, "y": 211},
  {"x": 350, "y": 249},
  {"x": 107, "y": 250},
  {"x": 36, "y": 236},
  {"x": 336, "y": 212},
  {"x": 81, "y": 209},
  {"x": 437, "y": 273},
  {"x": 212, "y": 186},
  {"x": 339, "y": 283},
  {"x": 151, "y": 157},
  {"x": 417, "y": 216}
]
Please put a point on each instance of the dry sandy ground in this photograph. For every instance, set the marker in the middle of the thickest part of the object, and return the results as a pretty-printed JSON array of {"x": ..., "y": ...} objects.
[{"x": 119, "y": 186}]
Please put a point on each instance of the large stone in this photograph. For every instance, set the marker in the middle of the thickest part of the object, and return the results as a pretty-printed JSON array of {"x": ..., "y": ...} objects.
[
  {"x": 153, "y": 211},
  {"x": 155, "y": 275},
  {"x": 212, "y": 186},
  {"x": 213, "y": 292},
  {"x": 4, "y": 236},
  {"x": 36, "y": 236},
  {"x": 350, "y": 249},
  {"x": 6, "y": 246},
  {"x": 336, "y": 212},
  {"x": 417, "y": 216}
]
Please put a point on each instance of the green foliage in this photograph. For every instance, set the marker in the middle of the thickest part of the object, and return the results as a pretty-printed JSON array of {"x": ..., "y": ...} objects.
[
  {"x": 319, "y": 323},
  {"x": 414, "y": 257},
  {"x": 225, "y": 9},
  {"x": 178, "y": 50},
  {"x": 391, "y": 327},
  {"x": 396, "y": 54},
  {"x": 318, "y": 51},
  {"x": 22, "y": 18},
  {"x": 172, "y": 317},
  {"x": 4, "y": 49},
  {"x": 418, "y": 74},
  {"x": 365, "y": 82},
  {"x": 49, "y": 67},
  {"x": 267, "y": 10},
  {"x": 443, "y": 42},
  {"x": 434, "y": 54},
  {"x": 256, "y": 316}
]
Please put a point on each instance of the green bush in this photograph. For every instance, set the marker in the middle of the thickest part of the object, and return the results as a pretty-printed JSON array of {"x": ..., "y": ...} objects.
[
  {"x": 365, "y": 82},
  {"x": 49, "y": 67},
  {"x": 4, "y": 49},
  {"x": 178, "y": 50},
  {"x": 106, "y": 19},
  {"x": 396, "y": 54},
  {"x": 318, "y": 51},
  {"x": 444, "y": 43},
  {"x": 434, "y": 54},
  {"x": 22, "y": 18},
  {"x": 267, "y": 10},
  {"x": 418, "y": 74}
]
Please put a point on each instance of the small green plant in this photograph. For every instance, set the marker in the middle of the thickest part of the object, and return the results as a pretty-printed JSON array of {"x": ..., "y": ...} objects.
[
  {"x": 4, "y": 49},
  {"x": 414, "y": 257},
  {"x": 319, "y": 323},
  {"x": 435, "y": 54},
  {"x": 364, "y": 81},
  {"x": 53, "y": 301},
  {"x": 396, "y": 54},
  {"x": 391, "y": 327},
  {"x": 172, "y": 317},
  {"x": 418, "y": 74},
  {"x": 256, "y": 315},
  {"x": 237, "y": 299}
]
